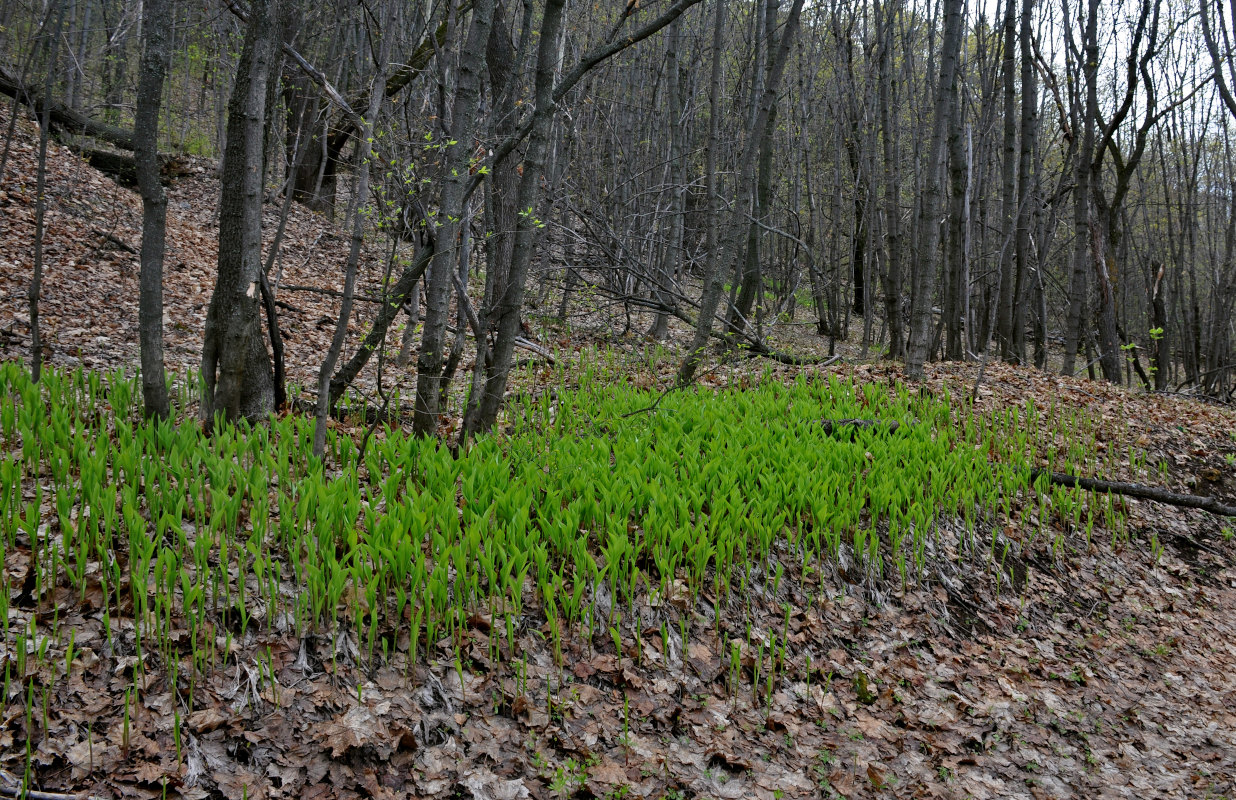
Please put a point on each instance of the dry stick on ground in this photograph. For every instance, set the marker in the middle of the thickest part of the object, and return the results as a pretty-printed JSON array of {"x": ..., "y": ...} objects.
[
  {"x": 362, "y": 298},
  {"x": 117, "y": 241},
  {"x": 10, "y": 786}
]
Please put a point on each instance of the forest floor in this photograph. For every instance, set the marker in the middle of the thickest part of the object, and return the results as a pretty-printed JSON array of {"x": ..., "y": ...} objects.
[{"x": 1109, "y": 671}]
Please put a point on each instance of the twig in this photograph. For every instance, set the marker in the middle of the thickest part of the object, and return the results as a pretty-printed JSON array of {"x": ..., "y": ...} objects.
[
  {"x": 121, "y": 243},
  {"x": 330, "y": 292},
  {"x": 532, "y": 346},
  {"x": 13, "y": 788}
]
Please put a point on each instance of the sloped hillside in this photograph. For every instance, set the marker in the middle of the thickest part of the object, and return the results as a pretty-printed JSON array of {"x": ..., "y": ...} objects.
[
  {"x": 89, "y": 299},
  {"x": 1064, "y": 665}
]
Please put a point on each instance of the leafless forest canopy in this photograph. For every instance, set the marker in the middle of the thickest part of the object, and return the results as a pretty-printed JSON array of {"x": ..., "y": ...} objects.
[{"x": 1048, "y": 183}]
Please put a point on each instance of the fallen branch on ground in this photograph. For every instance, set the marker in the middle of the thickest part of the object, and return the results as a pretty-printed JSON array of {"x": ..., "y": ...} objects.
[
  {"x": 1159, "y": 495},
  {"x": 10, "y": 786},
  {"x": 1138, "y": 490}
]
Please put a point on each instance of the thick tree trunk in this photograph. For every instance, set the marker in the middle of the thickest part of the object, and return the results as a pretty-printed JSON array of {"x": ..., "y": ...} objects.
[
  {"x": 236, "y": 368},
  {"x": 156, "y": 30}
]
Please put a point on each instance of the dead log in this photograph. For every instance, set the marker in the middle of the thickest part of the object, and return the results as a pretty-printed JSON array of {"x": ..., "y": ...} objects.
[
  {"x": 115, "y": 240},
  {"x": 1138, "y": 490},
  {"x": 65, "y": 118},
  {"x": 123, "y": 168}
]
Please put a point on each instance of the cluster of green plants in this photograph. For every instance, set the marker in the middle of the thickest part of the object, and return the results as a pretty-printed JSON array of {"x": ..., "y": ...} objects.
[{"x": 580, "y": 512}]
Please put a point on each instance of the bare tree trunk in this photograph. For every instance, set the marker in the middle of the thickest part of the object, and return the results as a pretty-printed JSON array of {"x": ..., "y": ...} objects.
[
  {"x": 672, "y": 252},
  {"x": 359, "y": 196},
  {"x": 156, "y": 30},
  {"x": 1027, "y": 211},
  {"x": 892, "y": 186},
  {"x": 461, "y": 304},
  {"x": 409, "y": 333},
  {"x": 482, "y": 411},
  {"x": 1008, "y": 190},
  {"x": 1081, "y": 197},
  {"x": 727, "y": 253},
  {"x": 929, "y": 222},
  {"x": 454, "y": 179},
  {"x": 236, "y": 370},
  {"x": 751, "y": 276},
  {"x": 954, "y": 303},
  {"x": 51, "y": 47}
]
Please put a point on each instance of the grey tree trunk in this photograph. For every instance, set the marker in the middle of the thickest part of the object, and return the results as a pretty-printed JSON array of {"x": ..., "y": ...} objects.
[
  {"x": 51, "y": 47},
  {"x": 156, "y": 30},
  {"x": 454, "y": 179},
  {"x": 1084, "y": 126},
  {"x": 482, "y": 411},
  {"x": 236, "y": 370},
  {"x": 1008, "y": 189},
  {"x": 675, "y": 170},
  {"x": 892, "y": 187},
  {"x": 750, "y": 278},
  {"x": 1027, "y": 211},
  {"x": 727, "y": 250},
  {"x": 924, "y": 280},
  {"x": 359, "y": 196},
  {"x": 958, "y": 290}
]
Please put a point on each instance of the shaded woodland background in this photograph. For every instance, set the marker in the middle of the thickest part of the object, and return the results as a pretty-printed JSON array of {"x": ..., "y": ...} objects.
[{"x": 1044, "y": 183}]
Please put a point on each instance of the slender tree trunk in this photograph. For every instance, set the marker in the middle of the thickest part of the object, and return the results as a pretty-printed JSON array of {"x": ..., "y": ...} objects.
[
  {"x": 1081, "y": 195},
  {"x": 672, "y": 251},
  {"x": 454, "y": 179},
  {"x": 1008, "y": 190},
  {"x": 156, "y": 30},
  {"x": 892, "y": 187},
  {"x": 482, "y": 412},
  {"x": 746, "y": 179},
  {"x": 954, "y": 310},
  {"x": 751, "y": 277},
  {"x": 1027, "y": 210},
  {"x": 409, "y": 333},
  {"x": 929, "y": 211},
  {"x": 359, "y": 196},
  {"x": 51, "y": 47},
  {"x": 395, "y": 299}
]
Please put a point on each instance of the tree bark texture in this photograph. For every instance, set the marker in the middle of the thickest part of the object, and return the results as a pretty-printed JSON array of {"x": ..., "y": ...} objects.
[
  {"x": 453, "y": 179},
  {"x": 236, "y": 369},
  {"x": 156, "y": 30},
  {"x": 927, "y": 257}
]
